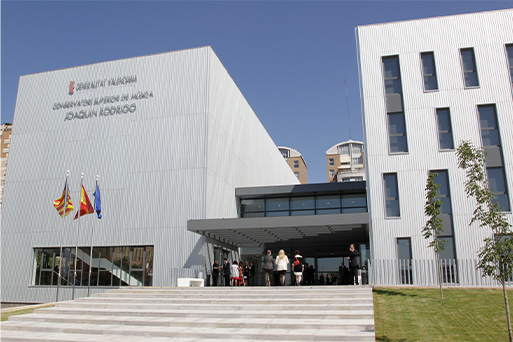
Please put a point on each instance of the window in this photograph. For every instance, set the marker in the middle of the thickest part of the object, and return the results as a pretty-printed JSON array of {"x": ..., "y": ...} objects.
[
  {"x": 509, "y": 50},
  {"x": 391, "y": 195},
  {"x": 296, "y": 164},
  {"x": 276, "y": 204},
  {"x": 448, "y": 261},
  {"x": 296, "y": 174},
  {"x": 442, "y": 178},
  {"x": 332, "y": 173},
  {"x": 497, "y": 183},
  {"x": 468, "y": 62},
  {"x": 429, "y": 71},
  {"x": 404, "y": 259},
  {"x": 397, "y": 133},
  {"x": 392, "y": 75},
  {"x": 445, "y": 140},
  {"x": 489, "y": 128},
  {"x": 331, "y": 161},
  {"x": 284, "y": 152},
  {"x": 110, "y": 266},
  {"x": 394, "y": 103},
  {"x": 343, "y": 150}
]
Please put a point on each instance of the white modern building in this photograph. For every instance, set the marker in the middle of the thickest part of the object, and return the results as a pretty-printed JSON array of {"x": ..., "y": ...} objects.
[
  {"x": 426, "y": 85},
  {"x": 345, "y": 162},
  {"x": 170, "y": 136}
]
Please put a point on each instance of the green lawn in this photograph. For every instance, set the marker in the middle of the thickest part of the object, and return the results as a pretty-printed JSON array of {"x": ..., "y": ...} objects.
[
  {"x": 22, "y": 311},
  {"x": 406, "y": 315}
]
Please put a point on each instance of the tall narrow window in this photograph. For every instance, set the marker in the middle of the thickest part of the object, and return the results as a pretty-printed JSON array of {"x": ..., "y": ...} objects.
[
  {"x": 429, "y": 71},
  {"x": 404, "y": 259},
  {"x": 444, "y": 129},
  {"x": 443, "y": 192},
  {"x": 397, "y": 133},
  {"x": 394, "y": 103},
  {"x": 391, "y": 195},
  {"x": 296, "y": 164},
  {"x": 494, "y": 160},
  {"x": 497, "y": 183},
  {"x": 468, "y": 63},
  {"x": 332, "y": 161},
  {"x": 509, "y": 50},
  {"x": 489, "y": 128}
]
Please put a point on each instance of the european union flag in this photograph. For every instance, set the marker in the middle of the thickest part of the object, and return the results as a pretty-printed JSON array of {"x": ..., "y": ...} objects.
[{"x": 98, "y": 201}]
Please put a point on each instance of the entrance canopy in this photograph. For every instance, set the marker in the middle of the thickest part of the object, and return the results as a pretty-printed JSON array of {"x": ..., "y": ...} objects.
[
  {"x": 259, "y": 231},
  {"x": 306, "y": 213}
]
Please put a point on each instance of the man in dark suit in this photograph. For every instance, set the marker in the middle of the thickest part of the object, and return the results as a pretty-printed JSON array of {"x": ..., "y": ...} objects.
[
  {"x": 353, "y": 264},
  {"x": 216, "y": 268},
  {"x": 226, "y": 272}
]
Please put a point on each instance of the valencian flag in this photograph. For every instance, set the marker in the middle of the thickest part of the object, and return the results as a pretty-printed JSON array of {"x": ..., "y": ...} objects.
[
  {"x": 98, "y": 201},
  {"x": 85, "y": 205},
  {"x": 64, "y": 202}
]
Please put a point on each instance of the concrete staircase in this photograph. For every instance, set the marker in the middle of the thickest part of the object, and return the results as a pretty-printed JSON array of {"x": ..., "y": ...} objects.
[{"x": 204, "y": 314}]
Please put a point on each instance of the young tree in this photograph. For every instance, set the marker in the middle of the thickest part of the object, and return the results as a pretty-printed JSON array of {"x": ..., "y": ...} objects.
[
  {"x": 433, "y": 226},
  {"x": 496, "y": 256}
]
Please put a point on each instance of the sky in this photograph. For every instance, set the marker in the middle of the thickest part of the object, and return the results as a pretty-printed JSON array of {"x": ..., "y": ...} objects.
[{"x": 290, "y": 59}]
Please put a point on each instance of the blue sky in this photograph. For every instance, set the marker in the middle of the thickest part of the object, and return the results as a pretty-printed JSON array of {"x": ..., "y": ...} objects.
[{"x": 290, "y": 59}]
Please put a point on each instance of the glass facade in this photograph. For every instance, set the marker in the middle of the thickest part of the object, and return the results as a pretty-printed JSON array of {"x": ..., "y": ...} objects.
[
  {"x": 110, "y": 266},
  {"x": 304, "y": 205}
]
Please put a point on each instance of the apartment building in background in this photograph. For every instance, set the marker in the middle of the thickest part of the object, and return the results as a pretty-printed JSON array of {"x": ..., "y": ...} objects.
[
  {"x": 426, "y": 85},
  {"x": 296, "y": 162},
  {"x": 345, "y": 162},
  {"x": 6, "y": 143}
]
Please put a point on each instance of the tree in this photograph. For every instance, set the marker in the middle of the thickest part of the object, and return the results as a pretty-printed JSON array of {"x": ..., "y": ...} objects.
[
  {"x": 496, "y": 256},
  {"x": 433, "y": 226}
]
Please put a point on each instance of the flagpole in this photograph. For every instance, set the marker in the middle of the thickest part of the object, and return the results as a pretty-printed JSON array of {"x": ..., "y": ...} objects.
[
  {"x": 78, "y": 234},
  {"x": 66, "y": 200},
  {"x": 91, "y": 253}
]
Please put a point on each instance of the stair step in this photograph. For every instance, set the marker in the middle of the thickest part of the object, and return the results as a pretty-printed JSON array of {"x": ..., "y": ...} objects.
[
  {"x": 214, "y": 322},
  {"x": 27, "y": 336},
  {"x": 242, "y": 333},
  {"x": 216, "y": 312}
]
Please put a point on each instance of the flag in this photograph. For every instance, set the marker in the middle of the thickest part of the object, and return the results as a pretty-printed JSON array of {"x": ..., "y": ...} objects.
[
  {"x": 85, "y": 205},
  {"x": 98, "y": 201},
  {"x": 63, "y": 203}
]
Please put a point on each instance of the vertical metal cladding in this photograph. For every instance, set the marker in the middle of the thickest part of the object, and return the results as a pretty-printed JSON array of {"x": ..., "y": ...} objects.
[
  {"x": 487, "y": 33},
  {"x": 164, "y": 154}
]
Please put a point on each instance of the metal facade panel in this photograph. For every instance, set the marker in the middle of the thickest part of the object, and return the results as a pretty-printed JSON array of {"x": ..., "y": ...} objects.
[
  {"x": 487, "y": 33},
  {"x": 240, "y": 151}
]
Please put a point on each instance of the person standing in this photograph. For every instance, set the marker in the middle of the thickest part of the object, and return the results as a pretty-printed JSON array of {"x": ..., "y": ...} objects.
[
  {"x": 353, "y": 264},
  {"x": 226, "y": 272},
  {"x": 298, "y": 267},
  {"x": 268, "y": 267},
  {"x": 235, "y": 273},
  {"x": 216, "y": 269},
  {"x": 281, "y": 265},
  {"x": 252, "y": 273}
]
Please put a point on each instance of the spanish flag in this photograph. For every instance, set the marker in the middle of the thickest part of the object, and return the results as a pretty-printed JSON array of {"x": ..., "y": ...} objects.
[
  {"x": 85, "y": 205},
  {"x": 63, "y": 204}
]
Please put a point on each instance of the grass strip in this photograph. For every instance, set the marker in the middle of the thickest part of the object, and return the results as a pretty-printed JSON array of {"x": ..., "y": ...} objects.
[
  {"x": 407, "y": 315},
  {"x": 22, "y": 311}
]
